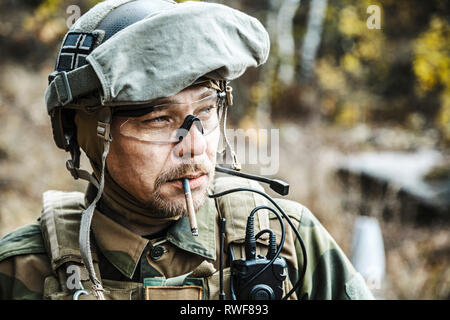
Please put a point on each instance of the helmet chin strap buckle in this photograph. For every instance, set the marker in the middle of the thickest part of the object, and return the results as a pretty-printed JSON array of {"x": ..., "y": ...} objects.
[
  {"x": 104, "y": 124},
  {"x": 104, "y": 131},
  {"x": 229, "y": 93},
  {"x": 78, "y": 173}
]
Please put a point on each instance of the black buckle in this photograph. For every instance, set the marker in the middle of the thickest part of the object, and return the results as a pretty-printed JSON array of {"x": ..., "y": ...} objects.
[
  {"x": 70, "y": 166},
  {"x": 66, "y": 86}
]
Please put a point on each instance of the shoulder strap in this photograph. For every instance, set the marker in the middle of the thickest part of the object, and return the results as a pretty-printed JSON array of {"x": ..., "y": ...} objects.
[
  {"x": 236, "y": 207},
  {"x": 60, "y": 224}
]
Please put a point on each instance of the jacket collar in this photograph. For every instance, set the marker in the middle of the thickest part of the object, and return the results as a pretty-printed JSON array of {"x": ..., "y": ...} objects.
[
  {"x": 205, "y": 243},
  {"x": 123, "y": 248}
]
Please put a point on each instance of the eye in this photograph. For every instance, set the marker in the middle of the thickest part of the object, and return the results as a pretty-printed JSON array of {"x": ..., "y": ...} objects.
[
  {"x": 156, "y": 120},
  {"x": 207, "y": 110}
]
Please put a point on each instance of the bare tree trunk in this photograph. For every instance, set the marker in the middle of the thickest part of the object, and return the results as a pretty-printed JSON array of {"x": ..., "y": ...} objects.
[
  {"x": 286, "y": 43},
  {"x": 312, "y": 38},
  {"x": 263, "y": 110}
]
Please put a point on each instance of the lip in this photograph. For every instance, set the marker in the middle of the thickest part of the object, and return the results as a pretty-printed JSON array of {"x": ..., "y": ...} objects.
[{"x": 195, "y": 181}]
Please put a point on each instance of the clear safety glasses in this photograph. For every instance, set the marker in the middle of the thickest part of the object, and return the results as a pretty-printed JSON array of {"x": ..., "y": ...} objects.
[{"x": 168, "y": 123}]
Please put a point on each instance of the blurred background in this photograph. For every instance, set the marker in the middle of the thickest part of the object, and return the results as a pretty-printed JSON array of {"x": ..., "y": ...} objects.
[{"x": 360, "y": 93}]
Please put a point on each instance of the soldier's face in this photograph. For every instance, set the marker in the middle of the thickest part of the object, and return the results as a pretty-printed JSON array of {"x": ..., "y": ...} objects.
[{"x": 152, "y": 172}]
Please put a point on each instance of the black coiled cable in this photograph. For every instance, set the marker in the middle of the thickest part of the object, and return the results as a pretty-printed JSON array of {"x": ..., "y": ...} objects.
[{"x": 300, "y": 280}]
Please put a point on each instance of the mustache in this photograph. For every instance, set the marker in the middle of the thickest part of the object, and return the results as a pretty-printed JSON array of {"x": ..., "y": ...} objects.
[{"x": 182, "y": 170}]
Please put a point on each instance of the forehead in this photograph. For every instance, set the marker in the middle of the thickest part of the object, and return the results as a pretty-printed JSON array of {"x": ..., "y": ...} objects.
[{"x": 190, "y": 94}]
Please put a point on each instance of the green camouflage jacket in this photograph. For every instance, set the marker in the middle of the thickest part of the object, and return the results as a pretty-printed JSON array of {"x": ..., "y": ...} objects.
[{"x": 131, "y": 266}]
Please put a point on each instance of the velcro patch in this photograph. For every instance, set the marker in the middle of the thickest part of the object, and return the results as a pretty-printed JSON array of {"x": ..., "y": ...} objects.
[
  {"x": 177, "y": 288},
  {"x": 173, "y": 293},
  {"x": 76, "y": 47}
]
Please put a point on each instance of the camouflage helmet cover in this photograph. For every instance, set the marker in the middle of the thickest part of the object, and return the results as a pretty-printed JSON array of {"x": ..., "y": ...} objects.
[{"x": 133, "y": 52}]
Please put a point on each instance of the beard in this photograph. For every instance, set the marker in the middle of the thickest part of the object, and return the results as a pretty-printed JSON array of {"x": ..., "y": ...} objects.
[{"x": 162, "y": 207}]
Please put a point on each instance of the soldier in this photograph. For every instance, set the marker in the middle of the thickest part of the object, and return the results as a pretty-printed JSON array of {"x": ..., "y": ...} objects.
[{"x": 142, "y": 88}]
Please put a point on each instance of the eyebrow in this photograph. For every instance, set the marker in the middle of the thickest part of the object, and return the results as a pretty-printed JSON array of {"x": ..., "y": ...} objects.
[
  {"x": 157, "y": 105},
  {"x": 168, "y": 100}
]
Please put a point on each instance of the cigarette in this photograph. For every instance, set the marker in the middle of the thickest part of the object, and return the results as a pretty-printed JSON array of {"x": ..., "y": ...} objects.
[{"x": 190, "y": 206}]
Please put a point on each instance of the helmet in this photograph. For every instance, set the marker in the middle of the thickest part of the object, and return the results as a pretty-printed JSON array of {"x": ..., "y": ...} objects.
[
  {"x": 122, "y": 54},
  {"x": 125, "y": 52}
]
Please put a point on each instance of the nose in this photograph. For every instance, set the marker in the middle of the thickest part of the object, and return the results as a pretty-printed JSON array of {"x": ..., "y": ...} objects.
[{"x": 193, "y": 144}]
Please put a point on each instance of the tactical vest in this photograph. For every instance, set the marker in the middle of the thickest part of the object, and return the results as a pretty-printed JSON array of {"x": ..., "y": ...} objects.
[{"x": 60, "y": 224}]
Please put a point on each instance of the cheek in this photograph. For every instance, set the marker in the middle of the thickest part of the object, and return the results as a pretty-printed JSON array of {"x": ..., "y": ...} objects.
[
  {"x": 212, "y": 145},
  {"x": 135, "y": 165}
]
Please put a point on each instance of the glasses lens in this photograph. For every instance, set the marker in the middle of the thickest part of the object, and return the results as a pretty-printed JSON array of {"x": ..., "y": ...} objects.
[{"x": 161, "y": 125}]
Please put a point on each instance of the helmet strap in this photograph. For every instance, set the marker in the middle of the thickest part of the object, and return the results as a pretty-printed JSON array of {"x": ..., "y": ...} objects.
[
  {"x": 73, "y": 166},
  {"x": 103, "y": 131},
  {"x": 228, "y": 151}
]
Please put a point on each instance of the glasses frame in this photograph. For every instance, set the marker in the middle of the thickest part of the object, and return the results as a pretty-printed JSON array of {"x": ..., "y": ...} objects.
[{"x": 219, "y": 109}]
